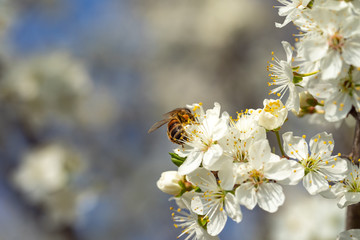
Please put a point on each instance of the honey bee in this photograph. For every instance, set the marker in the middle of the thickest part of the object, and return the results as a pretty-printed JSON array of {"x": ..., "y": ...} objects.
[{"x": 176, "y": 120}]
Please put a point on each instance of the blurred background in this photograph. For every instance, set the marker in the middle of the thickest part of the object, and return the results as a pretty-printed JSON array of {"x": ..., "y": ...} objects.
[{"x": 81, "y": 82}]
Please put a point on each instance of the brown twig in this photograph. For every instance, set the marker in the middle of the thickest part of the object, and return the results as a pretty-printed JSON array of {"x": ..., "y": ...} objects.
[{"x": 353, "y": 211}]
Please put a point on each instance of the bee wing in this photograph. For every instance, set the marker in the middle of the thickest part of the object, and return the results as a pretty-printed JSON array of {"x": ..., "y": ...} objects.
[
  {"x": 167, "y": 117},
  {"x": 158, "y": 124}
]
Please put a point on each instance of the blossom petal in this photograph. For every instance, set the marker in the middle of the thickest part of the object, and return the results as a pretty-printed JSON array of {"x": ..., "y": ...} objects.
[
  {"x": 227, "y": 176},
  {"x": 351, "y": 51},
  {"x": 293, "y": 101},
  {"x": 204, "y": 179},
  {"x": 314, "y": 48},
  {"x": 295, "y": 147},
  {"x": 278, "y": 170},
  {"x": 337, "y": 107},
  {"x": 349, "y": 198},
  {"x": 331, "y": 65},
  {"x": 198, "y": 206},
  {"x": 296, "y": 174},
  {"x": 191, "y": 163},
  {"x": 246, "y": 195},
  {"x": 321, "y": 145},
  {"x": 334, "y": 168},
  {"x": 352, "y": 234},
  {"x": 212, "y": 156},
  {"x": 233, "y": 208},
  {"x": 315, "y": 183},
  {"x": 259, "y": 153},
  {"x": 217, "y": 221},
  {"x": 334, "y": 191},
  {"x": 288, "y": 51},
  {"x": 270, "y": 196}
]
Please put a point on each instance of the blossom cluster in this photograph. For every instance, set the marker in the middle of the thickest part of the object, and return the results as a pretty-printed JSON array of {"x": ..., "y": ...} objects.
[
  {"x": 226, "y": 163},
  {"x": 326, "y": 65}
]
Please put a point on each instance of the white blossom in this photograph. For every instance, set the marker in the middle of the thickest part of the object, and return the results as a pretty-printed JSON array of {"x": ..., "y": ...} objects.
[
  {"x": 257, "y": 178},
  {"x": 333, "y": 42},
  {"x": 192, "y": 225},
  {"x": 292, "y": 9},
  {"x": 319, "y": 167},
  {"x": 169, "y": 182},
  {"x": 338, "y": 95},
  {"x": 273, "y": 114},
  {"x": 352, "y": 234},
  {"x": 347, "y": 191},
  {"x": 202, "y": 146},
  {"x": 215, "y": 203},
  {"x": 283, "y": 78}
]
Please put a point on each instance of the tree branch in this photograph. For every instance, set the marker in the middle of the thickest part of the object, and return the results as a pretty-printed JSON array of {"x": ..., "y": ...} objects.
[{"x": 353, "y": 211}]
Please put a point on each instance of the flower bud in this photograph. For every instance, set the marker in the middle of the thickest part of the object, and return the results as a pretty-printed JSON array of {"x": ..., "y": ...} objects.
[
  {"x": 273, "y": 114},
  {"x": 307, "y": 100},
  {"x": 169, "y": 182}
]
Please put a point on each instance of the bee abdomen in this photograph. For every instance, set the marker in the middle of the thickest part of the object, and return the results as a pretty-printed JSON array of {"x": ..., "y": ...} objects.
[{"x": 176, "y": 132}]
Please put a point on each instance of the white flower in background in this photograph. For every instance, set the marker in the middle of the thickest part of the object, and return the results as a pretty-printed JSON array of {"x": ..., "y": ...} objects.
[
  {"x": 273, "y": 114},
  {"x": 319, "y": 167},
  {"x": 69, "y": 205},
  {"x": 46, "y": 170},
  {"x": 47, "y": 86},
  {"x": 258, "y": 177},
  {"x": 8, "y": 12},
  {"x": 292, "y": 9},
  {"x": 202, "y": 146},
  {"x": 305, "y": 217},
  {"x": 339, "y": 95},
  {"x": 169, "y": 182},
  {"x": 215, "y": 204},
  {"x": 282, "y": 77},
  {"x": 337, "y": 5},
  {"x": 347, "y": 191},
  {"x": 334, "y": 41},
  {"x": 352, "y": 234},
  {"x": 192, "y": 225}
]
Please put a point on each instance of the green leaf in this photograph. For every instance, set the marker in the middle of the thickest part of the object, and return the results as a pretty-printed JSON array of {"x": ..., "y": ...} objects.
[{"x": 176, "y": 159}]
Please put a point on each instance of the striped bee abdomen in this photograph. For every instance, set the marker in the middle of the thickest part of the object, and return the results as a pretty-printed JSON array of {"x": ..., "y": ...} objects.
[{"x": 176, "y": 131}]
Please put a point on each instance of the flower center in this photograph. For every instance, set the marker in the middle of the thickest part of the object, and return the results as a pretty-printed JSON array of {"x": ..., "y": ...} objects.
[
  {"x": 273, "y": 108},
  {"x": 310, "y": 164},
  {"x": 256, "y": 177},
  {"x": 336, "y": 42},
  {"x": 353, "y": 184},
  {"x": 347, "y": 84}
]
